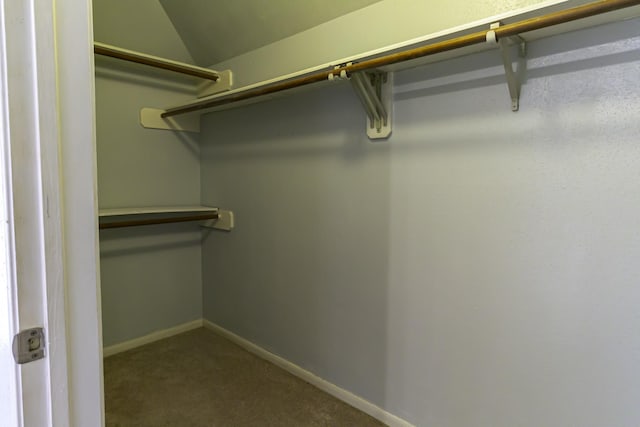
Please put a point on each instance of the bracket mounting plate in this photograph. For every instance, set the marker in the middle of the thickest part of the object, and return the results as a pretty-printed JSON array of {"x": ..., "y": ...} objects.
[
  {"x": 225, "y": 222},
  {"x": 151, "y": 118},
  {"x": 223, "y": 84},
  {"x": 375, "y": 91}
]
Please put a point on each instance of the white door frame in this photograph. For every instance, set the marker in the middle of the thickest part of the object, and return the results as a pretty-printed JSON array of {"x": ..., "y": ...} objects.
[
  {"x": 49, "y": 139},
  {"x": 35, "y": 260},
  {"x": 76, "y": 107},
  {"x": 10, "y": 404}
]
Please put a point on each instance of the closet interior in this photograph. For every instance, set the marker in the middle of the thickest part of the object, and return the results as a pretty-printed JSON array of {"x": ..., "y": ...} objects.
[{"x": 411, "y": 208}]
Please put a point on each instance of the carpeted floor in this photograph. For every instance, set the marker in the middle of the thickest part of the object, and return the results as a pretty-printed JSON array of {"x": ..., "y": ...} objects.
[{"x": 201, "y": 379}]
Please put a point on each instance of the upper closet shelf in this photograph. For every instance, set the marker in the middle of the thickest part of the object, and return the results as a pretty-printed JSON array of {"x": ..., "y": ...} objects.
[
  {"x": 370, "y": 73},
  {"x": 155, "y": 210},
  {"x": 216, "y": 81},
  {"x": 210, "y": 217}
]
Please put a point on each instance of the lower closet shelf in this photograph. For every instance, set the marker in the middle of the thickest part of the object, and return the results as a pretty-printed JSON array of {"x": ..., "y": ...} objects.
[{"x": 210, "y": 217}]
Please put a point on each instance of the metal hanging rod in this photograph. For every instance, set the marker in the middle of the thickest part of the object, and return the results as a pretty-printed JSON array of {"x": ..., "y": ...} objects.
[
  {"x": 509, "y": 30},
  {"x": 154, "y": 61},
  {"x": 137, "y": 222}
]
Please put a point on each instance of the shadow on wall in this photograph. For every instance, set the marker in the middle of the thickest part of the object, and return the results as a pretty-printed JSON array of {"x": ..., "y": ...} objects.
[{"x": 144, "y": 239}]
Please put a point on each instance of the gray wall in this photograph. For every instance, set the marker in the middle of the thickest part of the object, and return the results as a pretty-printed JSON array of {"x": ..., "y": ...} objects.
[
  {"x": 151, "y": 276},
  {"x": 479, "y": 268}
]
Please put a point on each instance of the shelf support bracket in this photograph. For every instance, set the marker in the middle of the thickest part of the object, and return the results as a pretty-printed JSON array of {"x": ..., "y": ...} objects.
[
  {"x": 514, "y": 82},
  {"x": 375, "y": 91},
  {"x": 225, "y": 221},
  {"x": 151, "y": 118},
  {"x": 223, "y": 84}
]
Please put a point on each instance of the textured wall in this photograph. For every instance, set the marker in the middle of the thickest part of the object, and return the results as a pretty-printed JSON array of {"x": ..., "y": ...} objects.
[{"x": 479, "y": 268}]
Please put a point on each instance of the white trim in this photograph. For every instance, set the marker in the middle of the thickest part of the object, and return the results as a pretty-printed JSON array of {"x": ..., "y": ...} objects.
[
  {"x": 52, "y": 221},
  {"x": 152, "y": 337},
  {"x": 10, "y": 404},
  {"x": 340, "y": 393},
  {"x": 34, "y": 216},
  {"x": 78, "y": 171}
]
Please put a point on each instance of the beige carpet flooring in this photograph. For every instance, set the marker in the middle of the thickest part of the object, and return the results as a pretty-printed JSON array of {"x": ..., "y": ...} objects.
[{"x": 201, "y": 379}]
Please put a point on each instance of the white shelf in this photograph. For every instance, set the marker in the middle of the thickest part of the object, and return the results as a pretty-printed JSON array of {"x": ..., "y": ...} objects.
[
  {"x": 167, "y": 214},
  {"x": 103, "y": 213},
  {"x": 259, "y": 92}
]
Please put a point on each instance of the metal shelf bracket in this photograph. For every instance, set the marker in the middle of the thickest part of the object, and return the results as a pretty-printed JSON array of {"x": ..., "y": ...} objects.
[
  {"x": 514, "y": 77},
  {"x": 375, "y": 91}
]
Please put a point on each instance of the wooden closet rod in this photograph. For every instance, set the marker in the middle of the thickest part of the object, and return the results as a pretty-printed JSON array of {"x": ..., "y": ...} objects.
[
  {"x": 516, "y": 28},
  {"x": 136, "y": 222},
  {"x": 154, "y": 61}
]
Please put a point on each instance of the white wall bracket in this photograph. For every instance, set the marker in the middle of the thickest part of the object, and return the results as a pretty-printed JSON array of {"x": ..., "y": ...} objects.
[
  {"x": 151, "y": 118},
  {"x": 223, "y": 84},
  {"x": 514, "y": 77},
  {"x": 375, "y": 90},
  {"x": 225, "y": 221}
]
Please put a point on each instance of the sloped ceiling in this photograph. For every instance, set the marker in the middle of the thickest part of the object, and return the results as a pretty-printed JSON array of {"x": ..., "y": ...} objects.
[
  {"x": 216, "y": 30},
  {"x": 140, "y": 25}
]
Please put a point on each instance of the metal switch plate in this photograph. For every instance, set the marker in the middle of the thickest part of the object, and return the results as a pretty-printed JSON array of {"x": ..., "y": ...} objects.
[{"x": 28, "y": 345}]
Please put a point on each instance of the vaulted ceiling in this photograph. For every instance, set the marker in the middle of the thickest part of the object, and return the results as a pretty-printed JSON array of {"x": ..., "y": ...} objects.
[{"x": 206, "y": 32}]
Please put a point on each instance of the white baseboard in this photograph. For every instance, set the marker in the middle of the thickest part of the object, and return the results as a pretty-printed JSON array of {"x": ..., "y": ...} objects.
[
  {"x": 340, "y": 393},
  {"x": 154, "y": 336}
]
